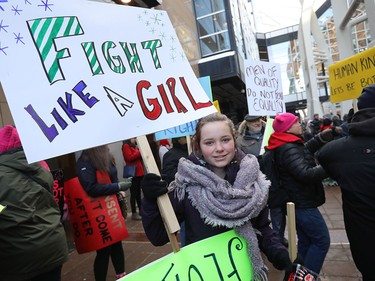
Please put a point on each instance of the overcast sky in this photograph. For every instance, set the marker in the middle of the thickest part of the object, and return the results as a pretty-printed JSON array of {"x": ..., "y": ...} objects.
[{"x": 276, "y": 14}]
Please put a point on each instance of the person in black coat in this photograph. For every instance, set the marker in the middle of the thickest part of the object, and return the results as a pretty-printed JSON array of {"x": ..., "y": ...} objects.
[
  {"x": 300, "y": 182},
  {"x": 171, "y": 158},
  {"x": 351, "y": 162}
]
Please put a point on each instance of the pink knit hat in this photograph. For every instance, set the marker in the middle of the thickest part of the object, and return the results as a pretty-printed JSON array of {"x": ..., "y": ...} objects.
[
  {"x": 9, "y": 138},
  {"x": 283, "y": 122}
]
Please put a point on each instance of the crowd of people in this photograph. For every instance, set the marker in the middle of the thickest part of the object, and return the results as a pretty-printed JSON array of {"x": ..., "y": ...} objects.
[{"x": 222, "y": 182}]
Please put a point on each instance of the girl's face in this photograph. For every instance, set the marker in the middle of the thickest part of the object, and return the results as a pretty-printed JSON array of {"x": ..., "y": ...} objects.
[{"x": 217, "y": 144}]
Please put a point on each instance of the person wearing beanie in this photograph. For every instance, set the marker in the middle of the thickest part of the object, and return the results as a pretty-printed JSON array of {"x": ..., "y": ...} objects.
[
  {"x": 250, "y": 134},
  {"x": 31, "y": 248},
  {"x": 351, "y": 162},
  {"x": 299, "y": 180}
]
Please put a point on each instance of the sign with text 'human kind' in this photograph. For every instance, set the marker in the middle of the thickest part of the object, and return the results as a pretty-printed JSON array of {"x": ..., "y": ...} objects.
[
  {"x": 348, "y": 77},
  {"x": 264, "y": 91},
  {"x": 79, "y": 73}
]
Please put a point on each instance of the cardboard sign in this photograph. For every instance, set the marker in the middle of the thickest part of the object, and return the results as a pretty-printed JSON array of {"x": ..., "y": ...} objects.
[
  {"x": 58, "y": 188},
  {"x": 219, "y": 258},
  {"x": 78, "y": 74},
  {"x": 264, "y": 90},
  {"x": 348, "y": 77},
  {"x": 95, "y": 222}
]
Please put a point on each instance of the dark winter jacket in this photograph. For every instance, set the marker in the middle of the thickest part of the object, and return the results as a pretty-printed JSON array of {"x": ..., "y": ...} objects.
[
  {"x": 196, "y": 229},
  {"x": 170, "y": 161},
  {"x": 351, "y": 161},
  {"x": 32, "y": 239},
  {"x": 87, "y": 177},
  {"x": 299, "y": 174}
]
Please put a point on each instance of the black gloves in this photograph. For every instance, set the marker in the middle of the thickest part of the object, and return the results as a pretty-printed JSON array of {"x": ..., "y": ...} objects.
[
  {"x": 152, "y": 186},
  {"x": 124, "y": 185},
  {"x": 281, "y": 261},
  {"x": 327, "y": 135}
]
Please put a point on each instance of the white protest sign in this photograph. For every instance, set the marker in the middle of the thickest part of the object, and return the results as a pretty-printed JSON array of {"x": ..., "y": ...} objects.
[
  {"x": 78, "y": 74},
  {"x": 264, "y": 90}
]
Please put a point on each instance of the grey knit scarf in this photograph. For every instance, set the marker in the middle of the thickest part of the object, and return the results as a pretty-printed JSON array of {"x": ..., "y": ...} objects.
[{"x": 222, "y": 204}]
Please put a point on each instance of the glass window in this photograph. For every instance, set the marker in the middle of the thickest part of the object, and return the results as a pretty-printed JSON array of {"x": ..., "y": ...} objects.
[
  {"x": 205, "y": 7},
  {"x": 212, "y": 26}
]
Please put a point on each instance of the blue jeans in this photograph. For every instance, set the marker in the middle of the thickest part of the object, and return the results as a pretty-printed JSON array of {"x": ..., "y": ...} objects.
[
  {"x": 313, "y": 237},
  {"x": 278, "y": 221}
]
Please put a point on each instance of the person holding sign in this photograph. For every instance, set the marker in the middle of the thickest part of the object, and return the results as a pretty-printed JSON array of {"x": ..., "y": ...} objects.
[
  {"x": 300, "y": 179},
  {"x": 351, "y": 162},
  {"x": 217, "y": 188},
  {"x": 95, "y": 163},
  {"x": 250, "y": 136},
  {"x": 33, "y": 244}
]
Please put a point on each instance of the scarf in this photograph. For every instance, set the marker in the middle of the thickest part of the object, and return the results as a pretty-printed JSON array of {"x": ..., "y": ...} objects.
[
  {"x": 222, "y": 204},
  {"x": 279, "y": 139}
]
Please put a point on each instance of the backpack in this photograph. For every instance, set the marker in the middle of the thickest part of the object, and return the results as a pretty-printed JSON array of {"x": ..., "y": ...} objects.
[{"x": 278, "y": 195}]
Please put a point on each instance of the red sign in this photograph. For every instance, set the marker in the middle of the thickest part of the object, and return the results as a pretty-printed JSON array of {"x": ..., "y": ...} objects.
[{"x": 95, "y": 222}]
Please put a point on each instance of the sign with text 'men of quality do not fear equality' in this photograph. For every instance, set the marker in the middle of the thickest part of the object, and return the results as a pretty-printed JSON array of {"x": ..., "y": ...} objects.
[
  {"x": 221, "y": 257},
  {"x": 264, "y": 91},
  {"x": 348, "y": 77},
  {"x": 78, "y": 74}
]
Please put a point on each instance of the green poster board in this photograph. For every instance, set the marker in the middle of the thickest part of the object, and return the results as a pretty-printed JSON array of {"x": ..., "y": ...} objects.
[{"x": 222, "y": 257}]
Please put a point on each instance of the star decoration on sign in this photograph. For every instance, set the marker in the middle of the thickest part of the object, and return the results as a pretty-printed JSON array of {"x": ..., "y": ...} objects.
[
  {"x": 155, "y": 22},
  {"x": 18, "y": 38},
  {"x": 16, "y": 10},
  {"x": 156, "y": 19},
  {"x": 162, "y": 35},
  {"x": 45, "y": 5},
  {"x": 9, "y": 38}
]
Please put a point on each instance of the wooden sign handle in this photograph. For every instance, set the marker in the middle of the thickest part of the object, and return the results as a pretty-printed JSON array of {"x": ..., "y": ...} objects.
[
  {"x": 291, "y": 223},
  {"x": 165, "y": 207}
]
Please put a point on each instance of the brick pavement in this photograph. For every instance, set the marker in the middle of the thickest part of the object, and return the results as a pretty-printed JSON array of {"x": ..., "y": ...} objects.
[{"x": 338, "y": 265}]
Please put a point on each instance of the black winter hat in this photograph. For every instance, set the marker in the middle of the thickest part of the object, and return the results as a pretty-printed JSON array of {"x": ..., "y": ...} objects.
[
  {"x": 249, "y": 117},
  {"x": 367, "y": 97}
]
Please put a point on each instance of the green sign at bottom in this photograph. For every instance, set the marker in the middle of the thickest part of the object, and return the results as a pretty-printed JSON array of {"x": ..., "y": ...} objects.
[{"x": 222, "y": 257}]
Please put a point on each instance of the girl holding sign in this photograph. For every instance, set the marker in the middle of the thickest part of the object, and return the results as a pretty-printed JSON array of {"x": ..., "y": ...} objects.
[{"x": 217, "y": 188}]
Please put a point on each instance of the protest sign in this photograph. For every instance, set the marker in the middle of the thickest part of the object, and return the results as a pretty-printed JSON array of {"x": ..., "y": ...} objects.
[
  {"x": 348, "y": 77},
  {"x": 268, "y": 130},
  {"x": 58, "y": 188},
  {"x": 95, "y": 222},
  {"x": 264, "y": 91},
  {"x": 78, "y": 74},
  {"x": 187, "y": 129},
  {"x": 221, "y": 257}
]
